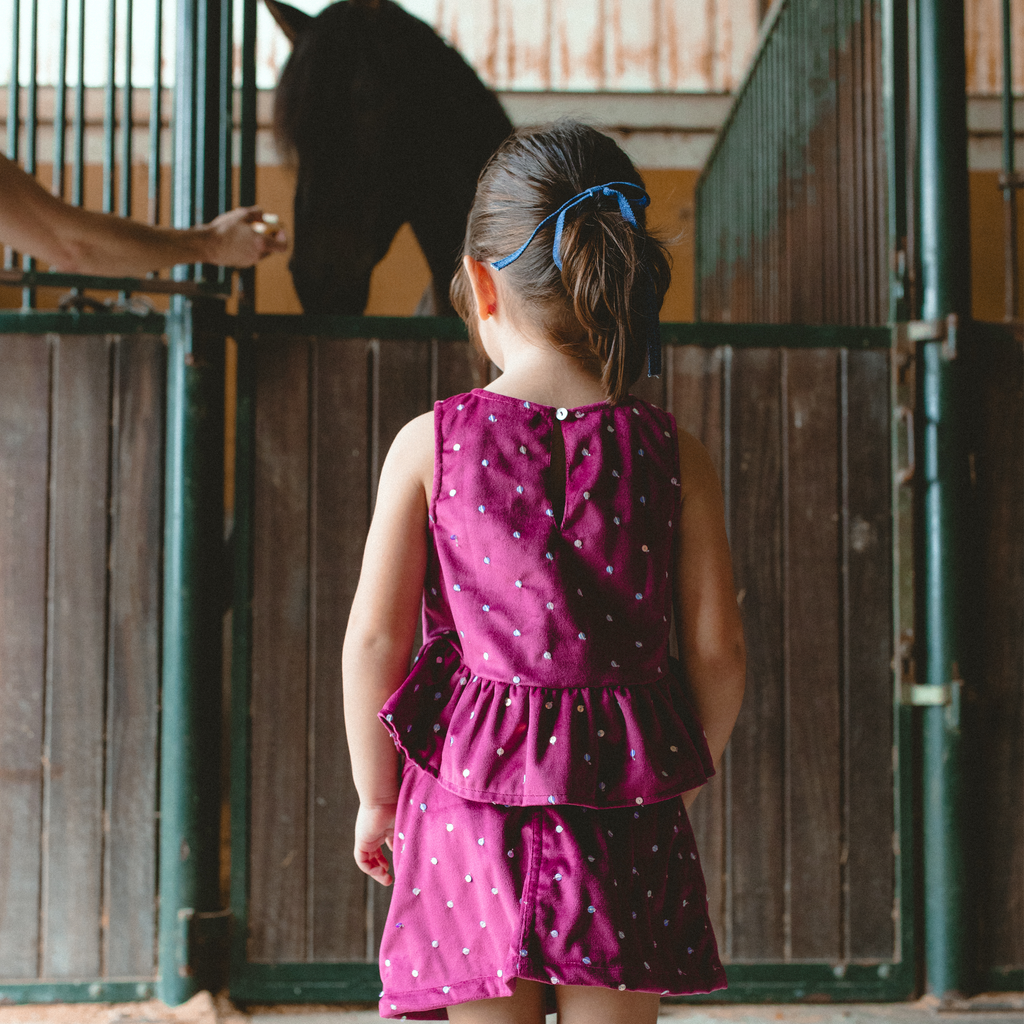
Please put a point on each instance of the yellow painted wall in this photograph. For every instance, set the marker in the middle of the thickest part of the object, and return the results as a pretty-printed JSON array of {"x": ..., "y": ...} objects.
[{"x": 987, "y": 237}]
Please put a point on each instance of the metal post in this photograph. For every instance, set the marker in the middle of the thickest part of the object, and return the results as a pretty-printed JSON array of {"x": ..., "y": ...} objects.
[
  {"x": 247, "y": 156},
  {"x": 193, "y": 601},
  {"x": 193, "y": 563},
  {"x": 78, "y": 156},
  {"x": 946, "y": 293},
  {"x": 13, "y": 107},
  {"x": 155, "y": 117},
  {"x": 127, "y": 120},
  {"x": 1009, "y": 180},
  {"x": 28, "y": 295},
  {"x": 109, "y": 111},
  {"x": 60, "y": 116}
]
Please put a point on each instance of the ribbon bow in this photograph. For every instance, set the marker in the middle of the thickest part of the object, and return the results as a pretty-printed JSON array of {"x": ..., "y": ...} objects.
[{"x": 626, "y": 209}]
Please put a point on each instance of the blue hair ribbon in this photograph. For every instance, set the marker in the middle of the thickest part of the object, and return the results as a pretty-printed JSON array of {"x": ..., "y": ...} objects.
[
  {"x": 625, "y": 208},
  {"x": 611, "y": 188}
]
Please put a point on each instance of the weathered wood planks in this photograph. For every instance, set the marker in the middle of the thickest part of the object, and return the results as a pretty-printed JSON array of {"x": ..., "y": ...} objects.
[
  {"x": 81, "y": 504},
  {"x": 280, "y": 653},
  {"x": 24, "y": 450},
  {"x": 327, "y": 411},
  {"x": 756, "y": 928},
  {"x": 994, "y": 695}
]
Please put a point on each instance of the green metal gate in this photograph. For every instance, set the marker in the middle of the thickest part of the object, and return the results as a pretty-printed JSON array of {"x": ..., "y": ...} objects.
[
  {"x": 837, "y": 193},
  {"x": 111, "y": 533}
]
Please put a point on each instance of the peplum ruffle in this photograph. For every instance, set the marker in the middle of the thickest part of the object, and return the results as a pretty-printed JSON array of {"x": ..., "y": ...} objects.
[{"x": 521, "y": 745}]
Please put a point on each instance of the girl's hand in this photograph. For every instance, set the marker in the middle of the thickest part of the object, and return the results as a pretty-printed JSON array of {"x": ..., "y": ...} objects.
[{"x": 375, "y": 826}]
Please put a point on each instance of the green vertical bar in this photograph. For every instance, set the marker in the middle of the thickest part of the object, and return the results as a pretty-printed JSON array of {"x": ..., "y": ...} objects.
[
  {"x": 193, "y": 601},
  {"x": 60, "y": 104},
  {"x": 946, "y": 289},
  {"x": 109, "y": 114},
  {"x": 225, "y": 111},
  {"x": 942, "y": 140},
  {"x": 207, "y": 109},
  {"x": 193, "y": 560},
  {"x": 28, "y": 295},
  {"x": 1011, "y": 284},
  {"x": 155, "y": 119},
  {"x": 184, "y": 173},
  {"x": 247, "y": 157},
  {"x": 78, "y": 169},
  {"x": 13, "y": 111},
  {"x": 126, "y": 116}
]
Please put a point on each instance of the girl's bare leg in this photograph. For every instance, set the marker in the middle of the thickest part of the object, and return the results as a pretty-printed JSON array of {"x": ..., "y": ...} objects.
[
  {"x": 586, "y": 1004},
  {"x": 524, "y": 1006}
]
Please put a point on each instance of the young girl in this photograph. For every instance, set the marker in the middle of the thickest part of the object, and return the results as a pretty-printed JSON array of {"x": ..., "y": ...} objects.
[{"x": 548, "y": 525}]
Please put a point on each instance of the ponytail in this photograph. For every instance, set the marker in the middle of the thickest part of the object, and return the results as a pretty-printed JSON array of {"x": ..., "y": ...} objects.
[
  {"x": 615, "y": 276},
  {"x": 601, "y": 306}
]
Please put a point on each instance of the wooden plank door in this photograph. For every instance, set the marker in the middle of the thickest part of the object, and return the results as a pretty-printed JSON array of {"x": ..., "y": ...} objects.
[
  {"x": 324, "y": 413},
  {"x": 800, "y": 834}
]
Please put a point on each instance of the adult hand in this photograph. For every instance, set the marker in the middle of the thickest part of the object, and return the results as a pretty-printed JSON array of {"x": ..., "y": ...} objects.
[{"x": 242, "y": 237}]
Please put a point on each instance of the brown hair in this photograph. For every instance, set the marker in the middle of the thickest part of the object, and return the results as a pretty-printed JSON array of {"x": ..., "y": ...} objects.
[{"x": 613, "y": 275}]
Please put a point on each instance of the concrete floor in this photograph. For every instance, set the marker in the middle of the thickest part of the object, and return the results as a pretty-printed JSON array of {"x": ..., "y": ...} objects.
[
  {"x": 1009, "y": 1011},
  {"x": 999, "y": 1009}
]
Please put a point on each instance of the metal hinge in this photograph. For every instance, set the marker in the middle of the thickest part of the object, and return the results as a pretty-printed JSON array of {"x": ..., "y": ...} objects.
[
  {"x": 920, "y": 695},
  {"x": 923, "y": 695},
  {"x": 907, "y": 334},
  {"x": 203, "y": 934}
]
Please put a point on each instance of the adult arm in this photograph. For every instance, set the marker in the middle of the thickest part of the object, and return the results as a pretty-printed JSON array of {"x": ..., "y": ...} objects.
[
  {"x": 380, "y": 634},
  {"x": 707, "y": 617},
  {"x": 68, "y": 238}
]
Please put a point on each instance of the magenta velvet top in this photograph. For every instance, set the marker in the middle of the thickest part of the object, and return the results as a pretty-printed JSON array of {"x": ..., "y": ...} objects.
[{"x": 545, "y": 676}]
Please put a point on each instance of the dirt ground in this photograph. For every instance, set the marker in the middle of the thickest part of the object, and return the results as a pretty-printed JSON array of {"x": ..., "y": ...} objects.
[{"x": 205, "y": 1009}]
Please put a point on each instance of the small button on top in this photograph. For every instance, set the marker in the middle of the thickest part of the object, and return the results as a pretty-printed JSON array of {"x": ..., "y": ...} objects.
[{"x": 560, "y": 414}]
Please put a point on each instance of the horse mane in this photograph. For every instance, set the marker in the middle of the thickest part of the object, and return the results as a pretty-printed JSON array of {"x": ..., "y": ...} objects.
[{"x": 357, "y": 51}]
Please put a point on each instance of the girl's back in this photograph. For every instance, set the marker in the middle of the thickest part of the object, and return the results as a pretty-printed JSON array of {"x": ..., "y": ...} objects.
[
  {"x": 548, "y": 579},
  {"x": 549, "y": 528}
]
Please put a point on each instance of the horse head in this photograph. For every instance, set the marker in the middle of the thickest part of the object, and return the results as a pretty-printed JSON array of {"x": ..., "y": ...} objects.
[{"x": 388, "y": 125}]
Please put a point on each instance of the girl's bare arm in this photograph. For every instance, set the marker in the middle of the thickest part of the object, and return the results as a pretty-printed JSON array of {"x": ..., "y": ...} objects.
[
  {"x": 707, "y": 617},
  {"x": 381, "y": 631}
]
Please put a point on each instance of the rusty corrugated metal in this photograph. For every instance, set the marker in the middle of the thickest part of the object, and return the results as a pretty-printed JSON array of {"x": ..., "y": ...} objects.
[
  {"x": 983, "y": 43},
  {"x": 591, "y": 45},
  {"x": 578, "y": 45}
]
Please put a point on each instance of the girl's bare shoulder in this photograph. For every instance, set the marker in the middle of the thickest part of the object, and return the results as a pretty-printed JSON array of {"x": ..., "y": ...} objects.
[
  {"x": 411, "y": 455},
  {"x": 697, "y": 472}
]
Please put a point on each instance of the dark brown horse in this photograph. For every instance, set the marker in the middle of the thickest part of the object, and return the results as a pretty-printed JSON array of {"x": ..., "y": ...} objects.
[{"x": 389, "y": 124}]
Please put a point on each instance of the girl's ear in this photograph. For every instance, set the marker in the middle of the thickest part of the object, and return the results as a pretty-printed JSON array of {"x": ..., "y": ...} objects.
[{"x": 484, "y": 285}]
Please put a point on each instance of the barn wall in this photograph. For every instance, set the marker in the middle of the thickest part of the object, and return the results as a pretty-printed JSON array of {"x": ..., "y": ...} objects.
[
  {"x": 629, "y": 45},
  {"x": 587, "y": 45}
]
